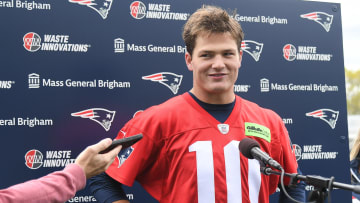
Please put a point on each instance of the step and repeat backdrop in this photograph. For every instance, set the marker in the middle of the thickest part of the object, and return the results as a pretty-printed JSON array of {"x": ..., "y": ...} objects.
[{"x": 73, "y": 72}]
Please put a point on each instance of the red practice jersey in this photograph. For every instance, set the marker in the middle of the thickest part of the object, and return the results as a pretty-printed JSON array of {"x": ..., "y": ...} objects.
[{"x": 186, "y": 155}]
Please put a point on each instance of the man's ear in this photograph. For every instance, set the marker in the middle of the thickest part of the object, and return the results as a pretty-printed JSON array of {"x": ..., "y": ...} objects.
[{"x": 188, "y": 60}]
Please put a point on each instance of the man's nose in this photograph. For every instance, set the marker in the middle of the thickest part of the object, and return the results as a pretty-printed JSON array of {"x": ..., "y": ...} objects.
[{"x": 218, "y": 62}]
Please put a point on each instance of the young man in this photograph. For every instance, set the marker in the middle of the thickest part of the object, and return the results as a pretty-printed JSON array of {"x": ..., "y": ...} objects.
[{"x": 189, "y": 152}]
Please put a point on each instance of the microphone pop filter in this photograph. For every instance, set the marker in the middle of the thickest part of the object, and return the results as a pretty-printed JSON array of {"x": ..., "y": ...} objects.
[{"x": 246, "y": 145}]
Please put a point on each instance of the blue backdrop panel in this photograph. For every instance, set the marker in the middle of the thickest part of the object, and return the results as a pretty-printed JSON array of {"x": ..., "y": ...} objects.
[{"x": 63, "y": 61}]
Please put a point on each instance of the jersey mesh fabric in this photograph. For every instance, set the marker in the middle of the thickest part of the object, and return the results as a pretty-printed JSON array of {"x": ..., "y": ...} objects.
[{"x": 184, "y": 156}]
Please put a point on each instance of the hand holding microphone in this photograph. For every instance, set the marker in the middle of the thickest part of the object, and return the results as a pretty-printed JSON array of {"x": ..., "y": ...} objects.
[{"x": 251, "y": 149}]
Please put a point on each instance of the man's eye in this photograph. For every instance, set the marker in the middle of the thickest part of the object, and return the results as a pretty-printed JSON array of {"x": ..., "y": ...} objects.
[{"x": 229, "y": 54}]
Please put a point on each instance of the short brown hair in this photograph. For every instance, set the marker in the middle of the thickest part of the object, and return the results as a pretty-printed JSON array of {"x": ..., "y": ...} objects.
[{"x": 210, "y": 19}]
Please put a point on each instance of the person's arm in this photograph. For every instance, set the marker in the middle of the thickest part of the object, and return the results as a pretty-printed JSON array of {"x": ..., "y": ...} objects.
[
  {"x": 107, "y": 190},
  {"x": 55, "y": 187},
  {"x": 62, "y": 185}
]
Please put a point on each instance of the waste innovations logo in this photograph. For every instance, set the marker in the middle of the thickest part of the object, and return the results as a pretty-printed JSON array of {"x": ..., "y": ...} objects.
[
  {"x": 289, "y": 52},
  {"x": 101, "y": 116},
  {"x": 328, "y": 115},
  {"x": 324, "y": 19},
  {"x": 253, "y": 48},
  {"x": 304, "y": 53},
  {"x": 120, "y": 47},
  {"x": 169, "y": 80},
  {"x": 267, "y": 86},
  {"x": 139, "y": 11},
  {"x": 35, "y": 82},
  {"x": 102, "y": 7},
  {"x": 56, "y": 43},
  {"x": 34, "y": 159},
  {"x": 297, "y": 151},
  {"x": 32, "y": 41},
  {"x": 312, "y": 152}
]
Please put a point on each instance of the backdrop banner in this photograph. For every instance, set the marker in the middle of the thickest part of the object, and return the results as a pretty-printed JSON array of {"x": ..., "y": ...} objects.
[{"x": 74, "y": 72}]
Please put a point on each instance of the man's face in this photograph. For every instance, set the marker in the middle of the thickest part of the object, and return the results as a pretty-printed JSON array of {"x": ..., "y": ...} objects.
[{"x": 215, "y": 63}]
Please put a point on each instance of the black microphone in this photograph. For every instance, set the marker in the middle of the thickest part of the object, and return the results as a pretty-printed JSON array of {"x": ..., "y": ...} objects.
[{"x": 251, "y": 149}]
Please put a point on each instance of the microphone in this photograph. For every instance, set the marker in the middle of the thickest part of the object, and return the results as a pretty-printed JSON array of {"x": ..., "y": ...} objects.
[{"x": 251, "y": 149}]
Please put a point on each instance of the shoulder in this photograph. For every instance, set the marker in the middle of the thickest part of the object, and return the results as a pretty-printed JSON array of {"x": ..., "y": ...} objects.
[
  {"x": 254, "y": 109},
  {"x": 160, "y": 117}
]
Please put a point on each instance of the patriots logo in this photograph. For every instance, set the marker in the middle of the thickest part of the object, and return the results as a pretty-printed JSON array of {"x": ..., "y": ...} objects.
[
  {"x": 327, "y": 115},
  {"x": 253, "y": 48},
  {"x": 170, "y": 80},
  {"x": 100, "y": 6},
  {"x": 324, "y": 19},
  {"x": 101, "y": 116},
  {"x": 124, "y": 154}
]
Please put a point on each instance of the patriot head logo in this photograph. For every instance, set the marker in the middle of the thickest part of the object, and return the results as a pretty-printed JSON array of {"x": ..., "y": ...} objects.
[
  {"x": 137, "y": 10},
  {"x": 289, "y": 52},
  {"x": 324, "y": 19},
  {"x": 328, "y": 115},
  {"x": 170, "y": 80},
  {"x": 124, "y": 154},
  {"x": 101, "y": 116},
  {"x": 33, "y": 159},
  {"x": 102, "y": 7},
  {"x": 253, "y": 48}
]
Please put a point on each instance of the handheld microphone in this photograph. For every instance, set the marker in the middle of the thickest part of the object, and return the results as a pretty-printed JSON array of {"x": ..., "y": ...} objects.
[{"x": 251, "y": 149}]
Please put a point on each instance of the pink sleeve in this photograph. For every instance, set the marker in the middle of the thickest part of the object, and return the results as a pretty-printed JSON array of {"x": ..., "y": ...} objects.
[{"x": 59, "y": 186}]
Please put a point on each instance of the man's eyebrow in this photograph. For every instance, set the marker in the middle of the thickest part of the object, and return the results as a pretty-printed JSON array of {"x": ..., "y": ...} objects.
[{"x": 212, "y": 51}]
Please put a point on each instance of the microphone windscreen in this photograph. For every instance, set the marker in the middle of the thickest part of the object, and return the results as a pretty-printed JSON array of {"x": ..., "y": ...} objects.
[{"x": 246, "y": 145}]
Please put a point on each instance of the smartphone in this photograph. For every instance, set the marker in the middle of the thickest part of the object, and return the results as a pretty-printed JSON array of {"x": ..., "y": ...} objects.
[{"x": 125, "y": 142}]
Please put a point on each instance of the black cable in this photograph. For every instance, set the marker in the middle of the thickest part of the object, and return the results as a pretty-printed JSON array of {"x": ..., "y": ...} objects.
[
  {"x": 284, "y": 190},
  {"x": 330, "y": 188}
]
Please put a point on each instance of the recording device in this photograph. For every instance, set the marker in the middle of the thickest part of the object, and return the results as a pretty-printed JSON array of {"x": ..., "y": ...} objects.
[
  {"x": 251, "y": 149},
  {"x": 124, "y": 142}
]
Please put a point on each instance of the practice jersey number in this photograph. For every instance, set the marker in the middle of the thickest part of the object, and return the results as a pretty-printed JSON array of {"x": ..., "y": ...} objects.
[{"x": 205, "y": 173}]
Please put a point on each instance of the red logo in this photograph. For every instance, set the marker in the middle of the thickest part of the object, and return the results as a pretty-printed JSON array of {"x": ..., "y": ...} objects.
[
  {"x": 102, "y": 7},
  {"x": 33, "y": 159},
  {"x": 32, "y": 41},
  {"x": 137, "y": 9},
  {"x": 253, "y": 48},
  {"x": 289, "y": 51},
  {"x": 324, "y": 19},
  {"x": 170, "y": 80},
  {"x": 102, "y": 116}
]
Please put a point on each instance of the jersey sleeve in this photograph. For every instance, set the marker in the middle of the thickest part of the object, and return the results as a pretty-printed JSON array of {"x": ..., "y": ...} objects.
[
  {"x": 280, "y": 150},
  {"x": 287, "y": 158},
  {"x": 141, "y": 162}
]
